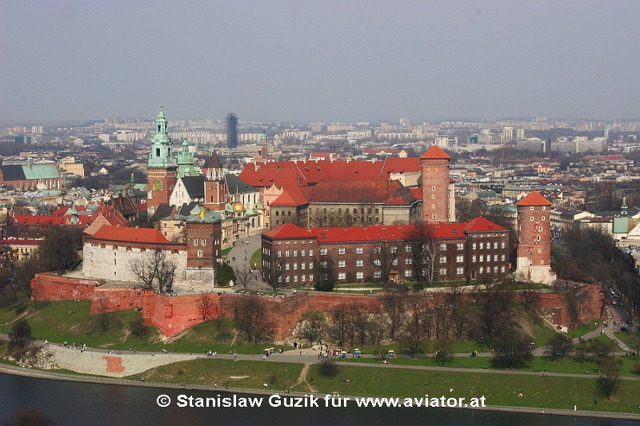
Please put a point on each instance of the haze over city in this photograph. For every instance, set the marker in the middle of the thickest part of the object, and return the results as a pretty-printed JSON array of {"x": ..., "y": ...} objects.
[{"x": 319, "y": 61}]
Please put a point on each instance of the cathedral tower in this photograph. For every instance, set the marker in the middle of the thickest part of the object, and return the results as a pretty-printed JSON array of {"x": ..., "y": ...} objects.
[
  {"x": 161, "y": 167},
  {"x": 215, "y": 185}
]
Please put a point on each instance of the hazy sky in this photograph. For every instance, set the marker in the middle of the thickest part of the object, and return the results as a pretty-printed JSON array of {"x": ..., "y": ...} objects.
[{"x": 298, "y": 60}]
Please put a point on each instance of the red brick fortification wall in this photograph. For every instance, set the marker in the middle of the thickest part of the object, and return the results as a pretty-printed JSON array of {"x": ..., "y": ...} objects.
[
  {"x": 172, "y": 314},
  {"x": 115, "y": 299},
  {"x": 588, "y": 297},
  {"x": 50, "y": 286}
]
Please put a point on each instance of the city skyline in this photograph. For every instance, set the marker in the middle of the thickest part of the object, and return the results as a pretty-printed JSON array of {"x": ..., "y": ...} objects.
[{"x": 359, "y": 61}]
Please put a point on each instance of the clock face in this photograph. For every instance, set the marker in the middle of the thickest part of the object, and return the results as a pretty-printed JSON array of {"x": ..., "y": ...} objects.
[{"x": 157, "y": 184}]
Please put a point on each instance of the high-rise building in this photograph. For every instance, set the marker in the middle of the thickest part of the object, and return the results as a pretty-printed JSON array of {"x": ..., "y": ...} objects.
[{"x": 231, "y": 126}]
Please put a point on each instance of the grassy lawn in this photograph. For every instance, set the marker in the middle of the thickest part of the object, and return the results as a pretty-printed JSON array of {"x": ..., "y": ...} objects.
[
  {"x": 629, "y": 339},
  {"x": 242, "y": 374},
  {"x": 584, "y": 329},
  {"x": 256, "y": 259},
  {"x": 570, "y": 365},
  {"x": 499, "y": 389}
]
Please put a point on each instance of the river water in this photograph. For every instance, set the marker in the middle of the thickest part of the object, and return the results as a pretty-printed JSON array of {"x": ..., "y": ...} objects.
[{"x": 76, "y": 403}]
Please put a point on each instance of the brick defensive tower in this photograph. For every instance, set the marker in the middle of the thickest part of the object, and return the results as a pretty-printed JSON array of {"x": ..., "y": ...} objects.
[
  {"x": 534, "y": 239},
  {"x": 435, "y": 185}
]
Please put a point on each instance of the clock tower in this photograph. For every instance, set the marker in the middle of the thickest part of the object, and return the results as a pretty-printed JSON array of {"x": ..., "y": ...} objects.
[{"x": 162, "y": 166}]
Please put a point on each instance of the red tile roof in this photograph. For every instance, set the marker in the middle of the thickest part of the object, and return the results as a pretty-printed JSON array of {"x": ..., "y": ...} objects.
[
  {"x": 48, "y": 220},
  {"x": 129, "y": 234},
  {"x": 290, "y": 197},
  {"x": 286, "y": 174},
  {"x": 480, "y": 224},
  {"x": 436, "y": 153},
  {"x": 381, "y": 232},
  {"x": 534, "y": 198},
  {"x": 387, "y": 192}
]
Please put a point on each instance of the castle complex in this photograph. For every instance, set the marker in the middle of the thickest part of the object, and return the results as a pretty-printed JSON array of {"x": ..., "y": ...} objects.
[{"x": 337, "y": 221}]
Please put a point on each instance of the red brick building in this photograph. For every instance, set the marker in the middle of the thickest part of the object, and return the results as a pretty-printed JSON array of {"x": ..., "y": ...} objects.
[
  {"x": 534, "y": 239},
  {"x": 435, "y": 185},
  {"x": 294, "y": 256}
]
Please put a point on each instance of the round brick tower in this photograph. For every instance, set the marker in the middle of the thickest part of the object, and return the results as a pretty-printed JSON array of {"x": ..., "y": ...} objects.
[{"x": 534, "y": 239}]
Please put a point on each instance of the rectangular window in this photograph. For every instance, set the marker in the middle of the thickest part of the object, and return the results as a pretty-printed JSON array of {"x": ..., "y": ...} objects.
[
  {"x": 443, "y": 272},
  {"x": 279, "y": 254},
  {"x": 377, "y": 274},
  {"x": 295, "y": 266},
  {"x": 473, "y": 258},
  {"x": 323, "y": 264},
  {"x": 459, "y": 259},
  {"x": 203, "y": 242},
  {"x": 359, "y": 250},
  {"x": 443, "y": 259},
  {"x": 481, "y": 245},
  {"x": 310, "y": 265},
  {"x": 342, "y": 276},
  {"x": 377, "y": 249},
  {"x": 323, "y": 252},
  {"x": 199, "y": 253},
  {"x": 502, "y": 269},
  {"x": 443, "y": 247},
  {"x": 495, "y": 257},
  {"x": 408, "y": 261},
  {"x": 310, "y": 252},
  {"x": 286, "y": 253},
  {"x": 495, "y": 244},
  {"x": 502, "y": 244},
  {"x": 394, "y": 262},
  {"x": 459, "y": 246},
  {"x": 195, "y": 242},
  {"x": 502, "y": 258},
  {"x": 394, "y": 249},
  {"x": 302, "y": 253},
  {"x": 342, "y": 264},
  {"x": 295, "y": 253},
  {"x": 459, "y": 270},
  {"x": 473, "y": 246},
  {"x": 286, "y": 266},
  {"x": 408, "y": 273},
  {"x": 342, "y": 250},
  {"x": 407, "y": 249},
  {"x": 303, "y": 266},
  {"x": 311, "y": 277},
  {"x": 360, "y": 275},
  {"x": 359, "y": 262},
  {"x": 377, "y": 262}
]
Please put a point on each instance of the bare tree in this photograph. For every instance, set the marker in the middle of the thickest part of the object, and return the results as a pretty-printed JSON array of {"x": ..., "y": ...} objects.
[
  {"x": 313, "y": 328},
  {"x": 339, "y": 326},
  {"x": 104, "y": 320},
  {"x": 414, "y": 331},
  {"x": 155, "y": 269},
  {"x": 574, "y": 308},
  {"x": 206, "y": 306},
  {"x": 459, "y": 310},
  {"x": 425, "y": 252},
  {"x": 385, "y": 258},
  {"x": 393, "y": 304},
  {"x": 250, "y": 315},
  {"x": 243, "y": 276}
]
